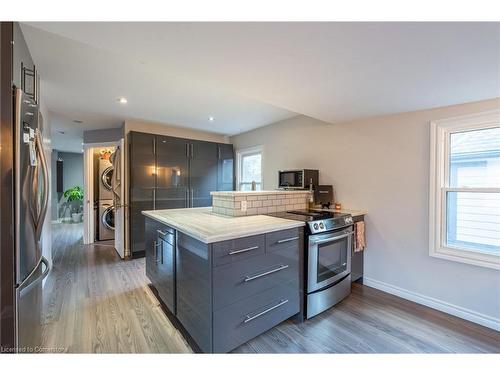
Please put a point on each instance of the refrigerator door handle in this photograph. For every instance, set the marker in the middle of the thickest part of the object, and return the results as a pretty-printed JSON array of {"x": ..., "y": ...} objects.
[
  {"x": 25, "y": 287},
  {"x": 45, "y": 200},
  {"x": 32, "y": 200}
]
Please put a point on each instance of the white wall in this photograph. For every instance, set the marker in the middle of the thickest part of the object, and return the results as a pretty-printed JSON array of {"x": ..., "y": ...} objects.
[{"x": 381, "y": 165}]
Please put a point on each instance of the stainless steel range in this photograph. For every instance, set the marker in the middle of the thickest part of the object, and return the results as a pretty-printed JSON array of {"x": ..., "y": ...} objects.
[{"x": 328, "y": 246}]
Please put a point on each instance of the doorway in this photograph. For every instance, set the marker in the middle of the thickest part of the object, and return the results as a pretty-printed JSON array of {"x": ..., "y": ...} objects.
[
  {"x": 103, "y": 210},
  {"x": 66, "y": 208}
]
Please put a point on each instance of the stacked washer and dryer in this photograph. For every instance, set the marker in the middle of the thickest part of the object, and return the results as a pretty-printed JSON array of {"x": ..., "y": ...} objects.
[{"x": 106, "y": 212}]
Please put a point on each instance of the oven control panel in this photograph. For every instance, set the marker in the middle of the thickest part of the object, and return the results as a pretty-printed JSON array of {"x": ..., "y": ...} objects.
[{"x": 318, "y": 226}]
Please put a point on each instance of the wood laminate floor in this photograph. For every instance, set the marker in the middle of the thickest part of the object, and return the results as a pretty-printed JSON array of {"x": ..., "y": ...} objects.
[{"x": 96, "y": 303}]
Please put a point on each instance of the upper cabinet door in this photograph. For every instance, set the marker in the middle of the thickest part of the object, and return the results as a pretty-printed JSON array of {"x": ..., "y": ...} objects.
[
  {"x": 172, "y": 172},
  {"x": 202, "y": 172},
  {"x": 172, "y": 163},
  {"x": 142, "y": 160},
  {"x": 225, "y": 167}
]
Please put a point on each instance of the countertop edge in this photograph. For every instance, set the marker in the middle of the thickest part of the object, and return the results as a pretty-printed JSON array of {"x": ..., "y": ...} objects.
[
  {"x": 259, "y": 192},
  {"x": 219, "y": 238}
]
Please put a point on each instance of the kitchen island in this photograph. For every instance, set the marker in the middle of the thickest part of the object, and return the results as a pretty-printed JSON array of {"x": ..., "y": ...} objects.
[{"x": 225, "y": 279}]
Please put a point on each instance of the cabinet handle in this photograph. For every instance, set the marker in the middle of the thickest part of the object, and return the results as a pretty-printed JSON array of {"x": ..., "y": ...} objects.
[
  {"x": 288, "y": 239},
  {"x": 187, "y": 150},
  {"x": 162, "y": 255},
  {"x": 160, "y": 232},
  {"x": 156, "y": 245},
  {"x": 192, "y": 197},
  {"x": 192, "y": 150},
  {"x": 243, "y": 250},
  {"x": 249, "y": 318},
  {"x": 281, "y": 267},
  {"x": 218, "y": 152}
]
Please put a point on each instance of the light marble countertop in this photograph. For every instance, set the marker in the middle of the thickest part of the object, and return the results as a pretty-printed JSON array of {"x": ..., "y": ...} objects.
[
  {"x": 258, "y": 192},
  {"x": 208, "y": 227}
]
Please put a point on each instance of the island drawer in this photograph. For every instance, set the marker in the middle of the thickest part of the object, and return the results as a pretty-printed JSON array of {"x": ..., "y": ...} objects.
[
  {"x": 284, "y": 239},
  {"x": 243, "y": 320},
  {"x": 166, "y": 234},
  {"x": 236, "y": 281},
  {"x": 230, "y": 251}
]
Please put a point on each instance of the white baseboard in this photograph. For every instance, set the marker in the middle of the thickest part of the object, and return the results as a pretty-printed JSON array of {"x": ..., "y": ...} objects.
[{"x": 461, "y": 312}]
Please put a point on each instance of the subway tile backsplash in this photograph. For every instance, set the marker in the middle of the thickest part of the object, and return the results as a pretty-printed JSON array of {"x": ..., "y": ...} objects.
[{"x": 258, "y": 203}]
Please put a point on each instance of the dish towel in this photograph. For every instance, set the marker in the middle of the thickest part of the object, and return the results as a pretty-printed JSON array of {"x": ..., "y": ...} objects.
[{"x": 359, "y": 236}]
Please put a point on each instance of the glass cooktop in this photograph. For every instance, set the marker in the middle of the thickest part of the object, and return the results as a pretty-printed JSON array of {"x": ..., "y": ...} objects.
[{"x": 307, "y": 215}]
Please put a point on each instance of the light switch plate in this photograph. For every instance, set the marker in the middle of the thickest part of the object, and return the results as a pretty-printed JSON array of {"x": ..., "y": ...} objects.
[{"x": 243, "y": 205}]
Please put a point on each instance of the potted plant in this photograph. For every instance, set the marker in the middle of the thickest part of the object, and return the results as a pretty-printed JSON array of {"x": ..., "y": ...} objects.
[{"x": 74, "y": 197}]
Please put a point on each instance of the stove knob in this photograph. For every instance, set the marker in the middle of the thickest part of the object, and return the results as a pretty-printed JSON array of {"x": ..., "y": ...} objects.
[
  {"x": 321, "y": 225},
  {"x": 316, "y": 226}
]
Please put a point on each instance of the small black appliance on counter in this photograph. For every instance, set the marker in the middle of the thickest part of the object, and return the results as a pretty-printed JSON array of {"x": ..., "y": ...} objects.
[{"x": 323, "y": 195}]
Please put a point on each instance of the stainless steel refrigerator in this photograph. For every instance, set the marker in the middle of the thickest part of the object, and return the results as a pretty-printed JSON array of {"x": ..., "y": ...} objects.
[{"x": 30, "y": 207}]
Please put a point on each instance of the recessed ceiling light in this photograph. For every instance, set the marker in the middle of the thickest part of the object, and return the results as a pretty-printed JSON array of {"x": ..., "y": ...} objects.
[
  {"x": 211, "y": 119},
  {"x": 122, "y": 100}
]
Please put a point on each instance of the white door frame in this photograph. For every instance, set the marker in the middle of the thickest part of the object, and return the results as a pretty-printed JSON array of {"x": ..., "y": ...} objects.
[{"x": 88, "y": 206}]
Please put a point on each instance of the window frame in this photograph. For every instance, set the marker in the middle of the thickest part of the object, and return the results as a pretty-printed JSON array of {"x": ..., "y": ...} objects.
[
  {"x": 440, "y": 131},
  {"x": 239, "y": 159}
]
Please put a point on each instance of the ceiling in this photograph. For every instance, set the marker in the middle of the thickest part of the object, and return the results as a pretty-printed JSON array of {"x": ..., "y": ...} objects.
[
  {"x": 67, "y": 130},
  {"x": 248, "y": 75}
]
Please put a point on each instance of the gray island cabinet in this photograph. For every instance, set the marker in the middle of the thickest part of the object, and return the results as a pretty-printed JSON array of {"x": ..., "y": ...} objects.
[{"x": 227, "y": 292}]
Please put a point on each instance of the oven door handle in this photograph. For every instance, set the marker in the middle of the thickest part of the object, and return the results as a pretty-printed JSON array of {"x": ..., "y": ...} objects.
[{"x": 329, "y": 239}]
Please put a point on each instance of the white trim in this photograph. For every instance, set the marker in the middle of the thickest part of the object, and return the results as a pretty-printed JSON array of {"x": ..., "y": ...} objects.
[
  {"x": 120, "y": 210},
  {"x": 101, "y": 144},
  {"x": 88, "y": 207},
  {"x": 246, "y": 151},
  {"x": 438, "y": 186},
  {"x": 88, "y": 195},
  {"x": 461, "y": 312}
]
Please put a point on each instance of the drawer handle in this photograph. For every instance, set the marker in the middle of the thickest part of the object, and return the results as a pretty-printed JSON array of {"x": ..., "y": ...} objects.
[
  {"x": 288, "y": 239},
  {"x": 243, "y": 250},
  {"x": 250, "y": 318},
  {"x": 281, "y": 267},
  {"x": 161, "y": 233}
]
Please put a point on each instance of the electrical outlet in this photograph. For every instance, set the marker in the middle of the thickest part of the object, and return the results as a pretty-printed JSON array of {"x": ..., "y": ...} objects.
[{"x": 243, "y": 205}]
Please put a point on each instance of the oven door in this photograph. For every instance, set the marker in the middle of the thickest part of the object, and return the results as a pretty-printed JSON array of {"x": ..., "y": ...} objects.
[{"x": 329, "y": 258}]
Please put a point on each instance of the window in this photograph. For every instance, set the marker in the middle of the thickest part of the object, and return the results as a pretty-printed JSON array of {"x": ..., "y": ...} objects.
[
  {"x": 249, "y": 168},
  {"x": 465, "y": 189}
]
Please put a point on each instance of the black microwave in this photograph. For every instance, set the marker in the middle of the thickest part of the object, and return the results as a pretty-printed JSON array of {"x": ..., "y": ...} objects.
[{"x": 298, "y": 178}]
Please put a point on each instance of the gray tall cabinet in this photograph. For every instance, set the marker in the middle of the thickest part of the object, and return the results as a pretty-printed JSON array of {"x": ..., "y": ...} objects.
[{"x": 169, "y": 172}]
